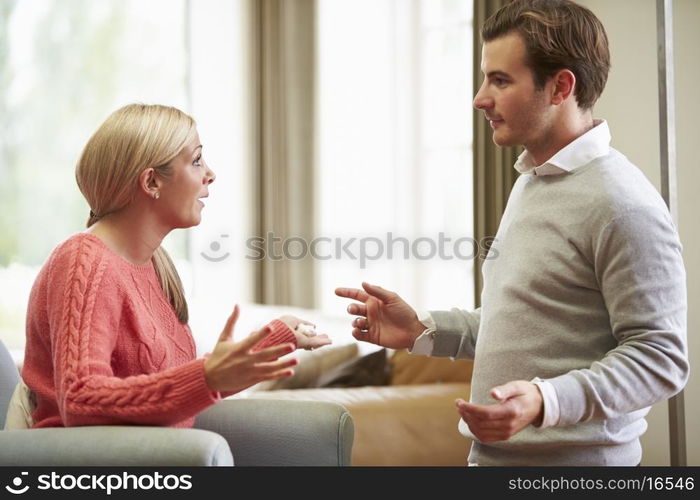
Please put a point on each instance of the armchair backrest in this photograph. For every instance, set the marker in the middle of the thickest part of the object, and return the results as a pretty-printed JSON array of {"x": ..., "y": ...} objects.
[{"x": 9, "y": 376}]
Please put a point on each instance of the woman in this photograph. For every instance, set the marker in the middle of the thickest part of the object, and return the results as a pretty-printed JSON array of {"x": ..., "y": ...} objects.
[{"x": 107, "y": 334}]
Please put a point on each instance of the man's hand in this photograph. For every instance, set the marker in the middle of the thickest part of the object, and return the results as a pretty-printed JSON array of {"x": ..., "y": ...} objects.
[
  {"x": 520, "y": 404},
  {"x": 383, "y": 318}
]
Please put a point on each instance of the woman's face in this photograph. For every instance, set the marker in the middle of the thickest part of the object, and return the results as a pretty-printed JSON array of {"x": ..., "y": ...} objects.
[{"x": 180, "y": 194}]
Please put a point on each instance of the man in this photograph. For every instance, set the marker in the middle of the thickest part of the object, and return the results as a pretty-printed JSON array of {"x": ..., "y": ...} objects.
[{"x": 583, "y": 320}]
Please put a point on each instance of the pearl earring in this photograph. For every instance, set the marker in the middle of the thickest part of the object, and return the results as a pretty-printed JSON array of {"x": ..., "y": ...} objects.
[{"x": 156, "y": 195}]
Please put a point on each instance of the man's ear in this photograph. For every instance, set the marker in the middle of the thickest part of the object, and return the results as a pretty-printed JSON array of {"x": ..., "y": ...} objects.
[
  {"x": 564, "y": 83},
  {"x": 149, "y": 182}
]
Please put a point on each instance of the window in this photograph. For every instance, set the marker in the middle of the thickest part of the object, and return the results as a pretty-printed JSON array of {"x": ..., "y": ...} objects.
[
  {"x": 64, "y": 66},
  {"x": 395, "y": 143},
  {"x": 394, "y": 139}
]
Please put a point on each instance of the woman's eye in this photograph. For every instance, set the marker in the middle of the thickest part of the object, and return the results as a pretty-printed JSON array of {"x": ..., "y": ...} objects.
[{"x": 197, "y": 161}]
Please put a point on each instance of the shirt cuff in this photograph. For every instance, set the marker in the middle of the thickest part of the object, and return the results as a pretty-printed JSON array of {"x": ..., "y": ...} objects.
[
  {"x": 550, "y": 412},
  {"x": 423, "y": 344},
  {"x": 465, "y": 431}
]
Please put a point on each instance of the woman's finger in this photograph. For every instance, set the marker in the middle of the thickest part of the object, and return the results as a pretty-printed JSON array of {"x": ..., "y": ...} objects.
[
  {"x": 320, "y": 340},
  {"x": 255, "y": 337},
  {"x": 280, "y": 364},
  {"x": 278, "y": 374},
  {"x": 227, "y": 332},
  {"x": 271, "y": 353}
]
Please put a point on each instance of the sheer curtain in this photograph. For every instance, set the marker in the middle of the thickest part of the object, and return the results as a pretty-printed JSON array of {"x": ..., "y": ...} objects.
[
  {"x": 285, "y": 125},
  {"x": 494, "y": 174},
  {"x": 395, "y": 149}
]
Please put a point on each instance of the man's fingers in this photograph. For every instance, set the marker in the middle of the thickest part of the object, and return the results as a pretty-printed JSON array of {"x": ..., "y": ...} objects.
[
  {"x": 352, "y": 293},
  {"x": 506, "y": 391},
  {"x": 357, "y": 309},
  {"x": 492, "y": 436},
  {"x": 361, "y": 323},
  {"x": 365, "y": 336},
  {"x": 475, "y": 423},
  {"x": 360, "y": 335},
  {"x": 227, "y": 332},
  {"x": 490, "y": 412},
  {"x": 377, "y": 291}
]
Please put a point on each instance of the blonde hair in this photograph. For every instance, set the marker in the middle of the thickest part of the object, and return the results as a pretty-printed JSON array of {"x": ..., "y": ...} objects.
[{"x": 131, "y": 140}]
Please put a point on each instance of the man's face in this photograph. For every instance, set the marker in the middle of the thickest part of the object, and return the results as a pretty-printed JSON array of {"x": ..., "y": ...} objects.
[{"x": 517, "y": 112}]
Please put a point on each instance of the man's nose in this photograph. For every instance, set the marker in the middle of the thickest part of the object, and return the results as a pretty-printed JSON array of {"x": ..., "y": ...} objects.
[{"x": 481, "y": 99}]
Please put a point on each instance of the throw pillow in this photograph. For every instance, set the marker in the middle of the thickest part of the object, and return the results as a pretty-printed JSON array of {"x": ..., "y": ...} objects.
[
  {"x": 372, "y": 369},
  {"x": 409, "y": 369}
]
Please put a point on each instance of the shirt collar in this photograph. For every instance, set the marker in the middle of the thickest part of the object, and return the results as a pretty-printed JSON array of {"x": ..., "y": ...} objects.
[{"x": 581, "y": 151}]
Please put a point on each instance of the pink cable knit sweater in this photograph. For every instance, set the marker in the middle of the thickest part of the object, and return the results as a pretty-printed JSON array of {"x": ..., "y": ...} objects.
[{"x": 104, "y": 345}]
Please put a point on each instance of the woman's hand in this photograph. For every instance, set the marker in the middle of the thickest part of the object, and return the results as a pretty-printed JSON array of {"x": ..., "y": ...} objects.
[
  {"x": 305, "y": 338},
  {"x": 233, "y": 366}
]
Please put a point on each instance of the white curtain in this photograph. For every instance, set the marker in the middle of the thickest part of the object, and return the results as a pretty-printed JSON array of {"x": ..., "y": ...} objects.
[{"x": 284, "y": 195}]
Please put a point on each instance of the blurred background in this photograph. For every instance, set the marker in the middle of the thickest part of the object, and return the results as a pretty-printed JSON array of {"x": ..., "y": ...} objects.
[{"x": 314, "y": 115}]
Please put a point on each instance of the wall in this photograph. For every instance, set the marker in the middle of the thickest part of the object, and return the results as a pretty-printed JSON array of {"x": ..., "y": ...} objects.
[
  {"x": 687, "y": 41},
  {"x": 630, "y": 104}
]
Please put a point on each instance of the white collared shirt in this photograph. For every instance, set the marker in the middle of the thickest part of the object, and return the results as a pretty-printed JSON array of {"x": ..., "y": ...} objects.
[{"x": 581, "y": 151}]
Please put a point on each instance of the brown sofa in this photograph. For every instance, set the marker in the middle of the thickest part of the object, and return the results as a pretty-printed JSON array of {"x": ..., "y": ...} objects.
[{"x": 409, "y": 421}]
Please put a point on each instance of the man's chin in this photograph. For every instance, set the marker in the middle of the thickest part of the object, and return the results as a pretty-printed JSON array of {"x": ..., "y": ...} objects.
[{"x": 502, "y": 141}]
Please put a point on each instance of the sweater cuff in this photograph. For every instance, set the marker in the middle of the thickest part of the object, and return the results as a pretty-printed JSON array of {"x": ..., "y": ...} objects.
[
  {"x": 280, "y": 333},
  {"x": 571, "y": 397},
  {"x": 192, "y": 386}
]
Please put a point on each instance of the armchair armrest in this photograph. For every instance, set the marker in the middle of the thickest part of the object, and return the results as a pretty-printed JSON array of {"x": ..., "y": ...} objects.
[
  {"x": 396, "y": 425},
  {"x": 113, "y": 445},
  {"x": 270, "y": 432}
]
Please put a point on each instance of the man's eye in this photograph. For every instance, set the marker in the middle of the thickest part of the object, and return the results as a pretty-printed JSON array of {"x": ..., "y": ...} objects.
[{"x": 500, "y": 81}]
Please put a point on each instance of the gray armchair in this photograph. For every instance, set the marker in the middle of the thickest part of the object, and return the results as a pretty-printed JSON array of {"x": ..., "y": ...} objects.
[{"x": 247, "y": 432}]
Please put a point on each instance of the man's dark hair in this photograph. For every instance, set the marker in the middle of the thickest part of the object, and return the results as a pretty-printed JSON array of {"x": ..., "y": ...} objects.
[{"x": 558, "y": 34}]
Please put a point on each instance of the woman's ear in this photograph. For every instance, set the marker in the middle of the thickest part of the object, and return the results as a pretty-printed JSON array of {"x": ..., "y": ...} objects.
[
  {"x": 564, "y": 85},
  {"x": 150, "y": 183}
]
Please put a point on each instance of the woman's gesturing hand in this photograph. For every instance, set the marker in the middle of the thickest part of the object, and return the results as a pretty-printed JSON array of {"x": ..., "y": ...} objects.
[
  {"x": 233, "y": 366},
  {"x": 305, "y": 333}
]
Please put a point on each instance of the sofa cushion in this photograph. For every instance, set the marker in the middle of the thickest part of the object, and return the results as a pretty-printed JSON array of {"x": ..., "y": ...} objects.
[
  {"x": 410, "y": 425},
  {"x": 371, "y": 369},
  {"x": 416, "y": 369}
]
